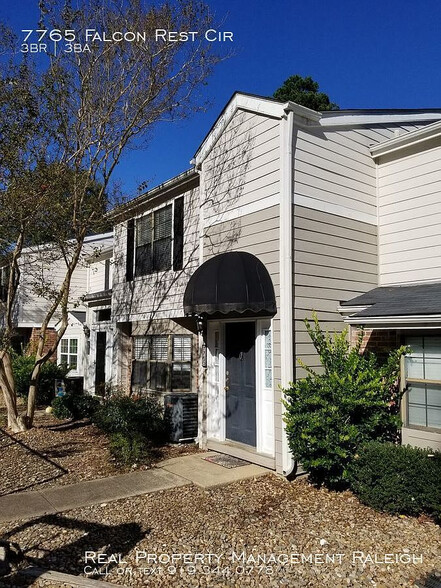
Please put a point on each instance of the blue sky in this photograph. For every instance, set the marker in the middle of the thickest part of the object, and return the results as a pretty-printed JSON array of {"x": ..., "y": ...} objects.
[{"x": 363, "y": 54}]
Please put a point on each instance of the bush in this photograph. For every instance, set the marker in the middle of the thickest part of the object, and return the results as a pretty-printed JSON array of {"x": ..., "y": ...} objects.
[
  {"x": 22, "y": 366},
  {"x": 131, "y": 448},
  {"x": 330, "y": 415},
  {"x": 74, "y": 405},
  {"x": 126, "y": 415},
  {"x": 397, "y": 479}
]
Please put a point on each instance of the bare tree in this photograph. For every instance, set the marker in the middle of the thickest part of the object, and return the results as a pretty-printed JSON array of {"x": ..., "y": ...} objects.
[{"x": 92, "y": 101}]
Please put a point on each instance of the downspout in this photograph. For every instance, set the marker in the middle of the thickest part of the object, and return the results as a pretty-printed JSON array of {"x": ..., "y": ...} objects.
[
  {"x": 202, "y": 364},
  {"x": 286, "y": 272}
]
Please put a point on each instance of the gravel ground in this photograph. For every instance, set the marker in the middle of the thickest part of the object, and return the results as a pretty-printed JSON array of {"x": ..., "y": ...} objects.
[
  {"x": 251, "y": 518},
  {"x": 58, "y": 452}
]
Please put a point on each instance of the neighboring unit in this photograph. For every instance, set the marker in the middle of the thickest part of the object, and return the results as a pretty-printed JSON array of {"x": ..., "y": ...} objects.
[{"x": 42, "y": 269}]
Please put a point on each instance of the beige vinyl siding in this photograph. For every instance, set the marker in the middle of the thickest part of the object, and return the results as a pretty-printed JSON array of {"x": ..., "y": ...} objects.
[
  {"x": 335, "y": 172},
  {"x": 248, "y": 234},
  {"x": 45, "y": 268},
  {"x": 426, "y": 439},
  {"x": 334, "y": 260},
  {"x": 242, "y": 169},
  {"x": 410, "y": 215},
  {"x": 334, "y": 168},
  {"x": 160, "y": 294},
  {"x": 97, "y": 274}
]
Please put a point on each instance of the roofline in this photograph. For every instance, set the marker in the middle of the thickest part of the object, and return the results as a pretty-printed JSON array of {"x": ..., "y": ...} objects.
[
  {"x": 307, "y": 117},
  {"x": 98, "y": 237},
  {"x": 142, "y": 199},
  {"x": 415, "y": 319},
  {"x": 89, "y": 239},
  {"x": 409, "y": 139},
  {"x": 103, "y": 254},
  {"x": 354, "y": 118},
  {"x": 252, "y": 103}
]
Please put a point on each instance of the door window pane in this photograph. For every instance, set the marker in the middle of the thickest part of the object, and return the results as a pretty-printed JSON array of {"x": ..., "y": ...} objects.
[{"x": 268, "y": 359}]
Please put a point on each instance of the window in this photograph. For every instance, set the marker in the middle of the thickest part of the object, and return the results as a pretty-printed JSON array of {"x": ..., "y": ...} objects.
[
  {"x": 268, "y": 366},
  {"x": 423, "y": 374},
  {"x": 155, "y": 241},
  {"x": 69, "y": 353},
  {"x": 162, "y": 362},
  {"x": 104, "y": 314}
]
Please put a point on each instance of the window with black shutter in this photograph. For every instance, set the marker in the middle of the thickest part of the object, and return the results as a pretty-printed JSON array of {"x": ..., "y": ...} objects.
[{"x": 159, "y": 239}]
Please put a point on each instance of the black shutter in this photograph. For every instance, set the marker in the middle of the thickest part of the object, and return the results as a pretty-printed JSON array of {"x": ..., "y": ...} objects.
[
  {"x": 130, "y": 249},
  {"x": 107, "y": 274},
  {"x": 178, "y": 236}
]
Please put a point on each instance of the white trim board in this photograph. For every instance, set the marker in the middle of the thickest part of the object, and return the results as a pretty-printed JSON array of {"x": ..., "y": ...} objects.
[
  {"x": 329, "y": 207},
  {"x": 241, "y": 211}
]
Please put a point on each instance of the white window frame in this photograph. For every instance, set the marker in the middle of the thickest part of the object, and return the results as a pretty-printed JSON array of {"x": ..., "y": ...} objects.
[
  {"x": 135, "y": 236},
  {"x": 421, "y": 381},
  {"x": 169, "y": 361},
  {"x": 69, "y": 354}
]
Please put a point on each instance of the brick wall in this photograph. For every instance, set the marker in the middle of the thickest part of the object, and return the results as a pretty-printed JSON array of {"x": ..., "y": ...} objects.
[
  {"x": 51, "y": 337},
  {"x": 378, "y": 341}
]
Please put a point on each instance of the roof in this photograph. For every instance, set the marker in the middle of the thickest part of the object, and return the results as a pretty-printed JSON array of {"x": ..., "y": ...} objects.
[
  {"x": 396, "y": 301},
  {"x": 133, "y": 206},
  {"x": 79, "y": 315}
]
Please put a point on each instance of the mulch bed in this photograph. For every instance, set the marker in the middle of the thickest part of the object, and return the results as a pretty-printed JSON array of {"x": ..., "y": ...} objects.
[
  {"x": 251, "y": 519},
  {"x": 237, "y": 523},
  {"x": 61, "y": 452}
]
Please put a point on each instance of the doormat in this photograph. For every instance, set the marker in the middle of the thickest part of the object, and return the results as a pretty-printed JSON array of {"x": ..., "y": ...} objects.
[
  {"x": 432, "y": 581},
  {"x": 226, "y": 461}
]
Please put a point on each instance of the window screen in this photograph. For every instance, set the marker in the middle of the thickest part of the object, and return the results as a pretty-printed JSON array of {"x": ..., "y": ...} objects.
[{"x": 423, "y": 367}]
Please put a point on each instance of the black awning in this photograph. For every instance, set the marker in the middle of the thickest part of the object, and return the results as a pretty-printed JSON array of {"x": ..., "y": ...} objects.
[{"x": 235, "y": 282}]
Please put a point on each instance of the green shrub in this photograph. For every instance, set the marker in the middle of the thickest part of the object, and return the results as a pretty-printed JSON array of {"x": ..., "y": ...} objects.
[
  {"x": 123, "y": 414},
  {"x": 22, "y": 366},
  {"x": 74, "y": 405},
  {"x": 60, "y": 408},
  {"x": 129, "y": 449},
  {"x": 329, "y": 415},
  {"x": 397, "y": 479}
]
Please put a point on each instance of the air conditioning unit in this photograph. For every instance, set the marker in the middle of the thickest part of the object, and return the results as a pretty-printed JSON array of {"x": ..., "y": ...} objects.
[{"x": 181, "y": 412}]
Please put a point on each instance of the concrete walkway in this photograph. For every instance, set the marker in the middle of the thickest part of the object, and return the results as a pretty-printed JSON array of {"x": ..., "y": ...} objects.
[{"x": 172, "y": 473}]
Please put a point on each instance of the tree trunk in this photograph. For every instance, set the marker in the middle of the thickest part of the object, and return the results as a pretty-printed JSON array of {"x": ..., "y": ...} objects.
[
  {"x": 15, "y": 422},
  {"x": 32, "y": 393}
]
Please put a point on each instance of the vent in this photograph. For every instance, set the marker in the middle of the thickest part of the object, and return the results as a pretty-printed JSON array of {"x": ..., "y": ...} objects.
[{"x": 181, "y": 412}]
